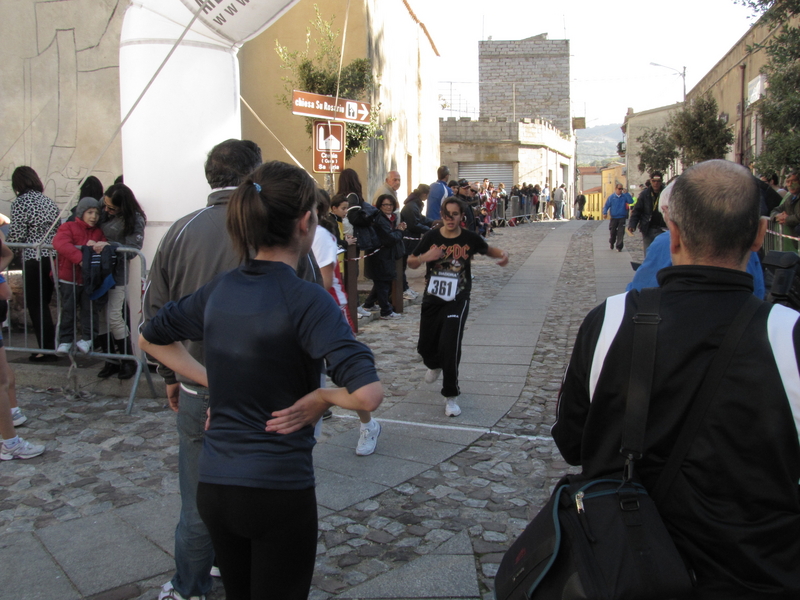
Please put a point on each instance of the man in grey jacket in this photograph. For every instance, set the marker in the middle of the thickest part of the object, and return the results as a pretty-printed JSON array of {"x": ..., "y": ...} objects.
[{"x": 195, "y": 249}]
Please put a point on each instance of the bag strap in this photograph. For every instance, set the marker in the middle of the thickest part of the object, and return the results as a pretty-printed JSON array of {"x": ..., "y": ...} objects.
[
  {"x": 640, "y": 382},
  {"x": 705, "y": 396}
]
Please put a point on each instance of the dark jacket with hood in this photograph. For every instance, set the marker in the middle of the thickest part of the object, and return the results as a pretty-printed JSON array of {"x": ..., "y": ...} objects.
[{"x": 417, "y": 224}]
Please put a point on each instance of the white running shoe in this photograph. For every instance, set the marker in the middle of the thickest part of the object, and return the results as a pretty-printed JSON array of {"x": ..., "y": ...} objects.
[
  {"x": 18, "y": 417},
  {"x": 170, "y": 593},
  {"x": 64, "y": 348},
  {"x": 391, "y": 316},
  {"x": 432, "y": 375},
  {"x": 84, "y": 346},
  {"x": 362, "y": 312},
  {"x": 368, "y": 440},
  {"x": 22, "y": 450},
  {"x": 452, "y": 409}
]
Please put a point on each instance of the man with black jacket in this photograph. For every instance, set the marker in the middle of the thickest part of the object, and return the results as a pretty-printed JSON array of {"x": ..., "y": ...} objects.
[
  {"x": 466, "y": 193},
  {"x": 733, "y": 509},
  {"x": 645, "y": 212}
]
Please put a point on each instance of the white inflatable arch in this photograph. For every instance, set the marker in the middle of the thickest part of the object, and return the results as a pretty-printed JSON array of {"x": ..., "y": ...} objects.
[{"x": 191, "y": 106}]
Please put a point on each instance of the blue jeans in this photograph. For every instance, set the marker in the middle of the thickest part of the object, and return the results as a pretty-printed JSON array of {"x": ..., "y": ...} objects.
[{"x": 194, "y": 552}]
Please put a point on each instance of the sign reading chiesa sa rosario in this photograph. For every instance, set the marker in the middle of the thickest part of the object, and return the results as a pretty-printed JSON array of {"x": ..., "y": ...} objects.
[{"x": 307, "y": 104}]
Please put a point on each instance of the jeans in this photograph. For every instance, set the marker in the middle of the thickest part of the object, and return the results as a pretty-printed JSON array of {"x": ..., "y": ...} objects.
[
  {"x": 194, "y": 552},
  {"x": 380, "y": 293},
  {"x": 648, "y": 237},
  {"x": 616, "y": 228},
  {"x": 73, "y": 303}
]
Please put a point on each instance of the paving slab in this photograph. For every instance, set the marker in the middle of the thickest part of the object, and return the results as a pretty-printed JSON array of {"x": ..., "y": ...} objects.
[
  {"x": 103, "y": 552},
  {"x": 439, "y": 576},
  {"x": 155, "y": 519},
  {"x": 336, "y": 491},
  {"x": 394, "y": 442},
  {"x": 509, "y": 355},
  {"x": 458, "y": 544},
  {"x": 29, "y": 572},
  {"x": 384, "y": 470},
  {"x": 482, "y": 416}
]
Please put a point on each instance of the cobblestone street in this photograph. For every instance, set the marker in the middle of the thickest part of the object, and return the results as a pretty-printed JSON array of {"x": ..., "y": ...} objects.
[{"x": 99, "y": 460}]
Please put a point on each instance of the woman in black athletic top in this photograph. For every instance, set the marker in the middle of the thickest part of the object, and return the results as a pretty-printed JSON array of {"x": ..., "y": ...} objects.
[{"x": 266, "y": 333}]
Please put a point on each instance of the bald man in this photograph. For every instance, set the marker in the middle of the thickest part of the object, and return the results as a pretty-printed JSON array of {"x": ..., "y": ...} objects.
[
  {"x": 733, "y": 508},
  {"x": 390, "y": 186}
]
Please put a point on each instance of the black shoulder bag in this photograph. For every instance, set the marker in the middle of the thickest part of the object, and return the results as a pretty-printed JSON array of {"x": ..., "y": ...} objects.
[{"x": 603, "y": 538}]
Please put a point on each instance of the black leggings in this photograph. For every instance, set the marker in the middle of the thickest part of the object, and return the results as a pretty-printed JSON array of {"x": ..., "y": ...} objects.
[
  {"x": 265, "y": 540},
  {"x": 39, "y": 288},
  {"x": 441, "y": 329}
]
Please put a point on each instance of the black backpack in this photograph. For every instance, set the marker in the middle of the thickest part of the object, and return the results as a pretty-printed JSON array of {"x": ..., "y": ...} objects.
[{"x": 361, "y": 218}]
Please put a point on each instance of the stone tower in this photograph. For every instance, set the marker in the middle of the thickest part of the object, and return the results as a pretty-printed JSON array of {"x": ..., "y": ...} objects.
[{"x": 526, "y": 78}]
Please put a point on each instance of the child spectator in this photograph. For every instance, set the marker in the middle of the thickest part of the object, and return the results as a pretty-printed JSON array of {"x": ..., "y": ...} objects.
[{"x": 69, "y": 241}]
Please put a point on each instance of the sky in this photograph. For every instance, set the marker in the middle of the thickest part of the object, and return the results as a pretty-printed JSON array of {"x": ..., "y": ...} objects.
[{"x": 611, "y": 45}]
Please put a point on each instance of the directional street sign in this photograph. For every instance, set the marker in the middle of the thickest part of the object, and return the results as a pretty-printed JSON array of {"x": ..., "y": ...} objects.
[
  {"x": 329, "y": 147},
  {"x": 307, "y": 104}
]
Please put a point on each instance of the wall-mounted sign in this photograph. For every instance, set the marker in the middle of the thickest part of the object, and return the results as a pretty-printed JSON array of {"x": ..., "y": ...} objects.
[
  {"x": 307, "y": 104},
  {"x": 329, "y": 146}
]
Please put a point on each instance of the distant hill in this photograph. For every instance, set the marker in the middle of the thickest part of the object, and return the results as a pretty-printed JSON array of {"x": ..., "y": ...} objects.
[{"x": 598, "y": 143}]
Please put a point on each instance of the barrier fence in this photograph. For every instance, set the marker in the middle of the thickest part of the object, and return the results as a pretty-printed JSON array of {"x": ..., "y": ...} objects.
[
  {"x": 777, "y": 240},
  {"x": 30, "y": 278}
]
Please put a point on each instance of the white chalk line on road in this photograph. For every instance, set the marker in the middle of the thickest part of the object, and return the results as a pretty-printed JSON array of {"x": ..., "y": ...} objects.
[{"x": 483, "y": 430}]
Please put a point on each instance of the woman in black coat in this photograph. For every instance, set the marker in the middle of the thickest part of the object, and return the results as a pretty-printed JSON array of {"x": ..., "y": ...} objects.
[
  {"x": 380, "y": 266},
  {"x": 417, "y": 225}
]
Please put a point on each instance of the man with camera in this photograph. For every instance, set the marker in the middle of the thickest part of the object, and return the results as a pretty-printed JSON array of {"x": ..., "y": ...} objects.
[{"x": 733, "y": 509}]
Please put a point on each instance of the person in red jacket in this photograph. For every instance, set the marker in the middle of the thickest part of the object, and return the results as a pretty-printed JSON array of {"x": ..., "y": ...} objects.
[{"x": 69, "y": 241}]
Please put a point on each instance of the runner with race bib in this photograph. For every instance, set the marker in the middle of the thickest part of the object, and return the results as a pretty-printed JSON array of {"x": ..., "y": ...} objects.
[{"x": 447, "y": 253}]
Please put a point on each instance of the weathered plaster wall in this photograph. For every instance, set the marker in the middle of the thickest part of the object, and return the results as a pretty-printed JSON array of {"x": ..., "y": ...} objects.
[
  {"x": 60, "y": 101},
  {"x": 402, "y": 58}
]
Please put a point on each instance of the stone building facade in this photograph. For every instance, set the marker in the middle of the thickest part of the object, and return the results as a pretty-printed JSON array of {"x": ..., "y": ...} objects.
[
  {"x": 524, "y": 133},
  {"x": 635, "y": 124},
  {"x": 736, "y": 83},
  {"x": 531, "y": 151},
  {"x": 526, "y": 78}
]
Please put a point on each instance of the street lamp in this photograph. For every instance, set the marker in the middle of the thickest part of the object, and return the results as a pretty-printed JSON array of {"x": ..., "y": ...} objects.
[{"x": 682, "y": 74}]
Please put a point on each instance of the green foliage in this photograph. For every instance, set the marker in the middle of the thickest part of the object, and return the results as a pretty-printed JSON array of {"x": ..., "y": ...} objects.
[
  {"x": 779, "y": 108},
  {"x": 699, "y": 133},
  {"x": 658, "y": 151},
  {"x": 318, "y": 71}
]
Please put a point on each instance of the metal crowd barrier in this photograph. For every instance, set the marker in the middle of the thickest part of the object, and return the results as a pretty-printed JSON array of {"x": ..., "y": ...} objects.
[
  {"x": 777, "y": 240},
  {"x": 16, "y": 342}
]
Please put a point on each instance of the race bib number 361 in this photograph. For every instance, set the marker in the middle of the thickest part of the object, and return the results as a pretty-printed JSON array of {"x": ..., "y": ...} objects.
[{"x": 444, "y": 286}]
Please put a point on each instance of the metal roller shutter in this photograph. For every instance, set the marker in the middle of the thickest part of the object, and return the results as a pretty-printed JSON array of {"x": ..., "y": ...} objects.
[{"x": 496, "y": 172}]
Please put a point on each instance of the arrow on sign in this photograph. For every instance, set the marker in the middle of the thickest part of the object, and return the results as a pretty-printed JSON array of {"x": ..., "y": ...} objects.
[{"x": 363, "y": 113}]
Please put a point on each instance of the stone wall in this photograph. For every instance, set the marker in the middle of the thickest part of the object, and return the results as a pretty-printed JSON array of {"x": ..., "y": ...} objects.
[
  {"x": 526, "y": 78},
  {"x": 535, "y": 132}
]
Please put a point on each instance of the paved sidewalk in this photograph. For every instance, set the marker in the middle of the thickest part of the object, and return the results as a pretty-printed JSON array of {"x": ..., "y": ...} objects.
[{"x": 427, "y": 516}]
